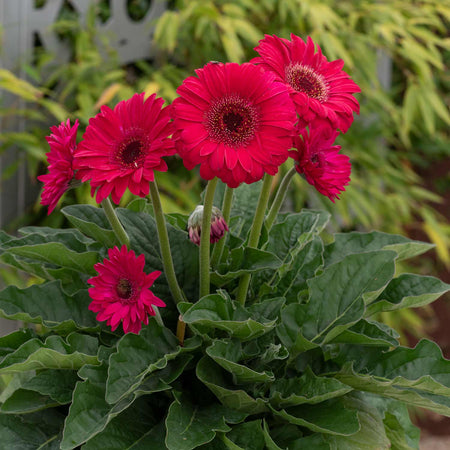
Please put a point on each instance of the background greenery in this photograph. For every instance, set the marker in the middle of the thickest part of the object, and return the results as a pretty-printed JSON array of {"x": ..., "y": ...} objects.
[{"x": 402, "y": 127}]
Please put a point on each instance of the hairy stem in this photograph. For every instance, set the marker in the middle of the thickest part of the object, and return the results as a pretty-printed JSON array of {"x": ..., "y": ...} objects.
[
  {"x": 117, "y": 227},
  {"x": 164, "y": 244},
  {"x": 205, "y": 237},
  {"x": 226, "y": 210},
  {"x": 279, "y": 198},
  {"x": 255, "y": 232}
]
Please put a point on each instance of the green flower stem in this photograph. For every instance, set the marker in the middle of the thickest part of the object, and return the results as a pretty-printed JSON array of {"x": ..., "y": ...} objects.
[
  {"x": 164, "y": 245},
  {"x": 205, "y": 237},
  {"x": 117, "y": 227},
  {"x": 279, "y": 198},
  {"x": 255, "y": 232},
  {"x": 226, "y": 211},
  {"x": 158, "y": 317}
]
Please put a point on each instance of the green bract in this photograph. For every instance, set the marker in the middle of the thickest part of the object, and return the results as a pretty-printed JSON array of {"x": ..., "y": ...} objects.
[{"x": 302, "y": 364}]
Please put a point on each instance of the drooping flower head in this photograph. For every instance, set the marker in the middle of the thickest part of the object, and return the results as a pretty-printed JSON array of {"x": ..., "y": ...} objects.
[
  {"x": 122, "y": 148},
  {"x": 320, "y": 161},
  {"x": 218, "y": 225},
  {"x": 321, "y": 90},
  {"x": 121, "y": 291},
  {"x": 235, "y": 121},
  {"x": 60, "y": 174}
]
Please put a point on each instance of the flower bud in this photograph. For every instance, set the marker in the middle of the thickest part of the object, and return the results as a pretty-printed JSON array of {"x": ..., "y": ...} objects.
[{"x": 218, "y": 225}]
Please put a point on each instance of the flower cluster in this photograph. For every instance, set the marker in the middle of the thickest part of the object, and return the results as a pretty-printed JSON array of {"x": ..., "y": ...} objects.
[{"x": 237, "y": 122}]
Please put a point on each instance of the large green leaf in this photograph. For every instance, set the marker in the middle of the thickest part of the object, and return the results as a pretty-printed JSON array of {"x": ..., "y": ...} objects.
[
  {"x": 216, "y": 312},
  {"x": 228, "y": 353},
  {"x": 356, "y": 242},
  {"x": 419, "y": 376},
  {"x": 368, "y": 333},
  {"x": 294, "y": 231},
  {"x": 241, "y": 261},
  {"x": 71, "y": 280},
  {"x": 61, "y": 249},
  {"x": 308, "y": 388},
  {"x": 291, "y": 282},
  {"x": 26, "y": 401},
  {"x": 372, "y": 434},
  {"x": 92, "y": 222},
  {"x": 29, "y": 431},
  {"x": 189, "y": 426},
  {"x": 336, "y": 299},
  {"x": 126, "y": 429},
  {"x": 139, "y": 355},
  {"x": 54, "y": 353},
  {"x": 330, "y": 417},
  {"x": 212, "y": 376},
  {"x": 46, "y": 304},
  {"x": 408, "y": 290},
  {"x": 248, "y": 436},
  {"x": 13, "y": 341}
]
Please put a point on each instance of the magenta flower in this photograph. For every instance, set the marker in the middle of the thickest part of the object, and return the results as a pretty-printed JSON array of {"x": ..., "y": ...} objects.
[
  {"x": 60, "y": 174},
  {"x": 122, "y": 148},
  {"x": 121, "y": 291},
  {"x": 320, "y": 161},
  {"x": 235, "y": 121},
  {"x": 321, "y": 90}
]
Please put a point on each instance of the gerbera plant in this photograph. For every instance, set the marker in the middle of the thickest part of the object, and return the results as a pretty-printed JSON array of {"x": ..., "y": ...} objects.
[{"x": 146, "y": 337}]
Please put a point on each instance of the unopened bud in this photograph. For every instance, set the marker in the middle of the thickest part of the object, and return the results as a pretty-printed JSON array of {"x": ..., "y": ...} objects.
[{"x": 218, "y": 225}]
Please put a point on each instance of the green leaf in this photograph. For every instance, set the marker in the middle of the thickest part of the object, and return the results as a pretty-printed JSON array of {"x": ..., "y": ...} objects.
[
  {"x": 46, "y": 304},
  {"x": 408, "y": 290},
  {"x": 54, "y": 353},
  {"x": 335, "y": 293},
  {"x": 336, "y": 300},
  {"x": 356, "y": 242},
  {"x": 248, "y": 435},
  {"x": 308, "y": 388},
  {"x": 139, "y": 355},
  {"x": 419, "y": 376},
  {"x": 216, "y": 312},
  {"x": 26, "y": 401},
  {"x": 189, "y": 426},
  {"x": 126, "y": 430},
  {"x": 57, "y": 253},
  {"x": 211, "y": 375},
  {"x": 330, "y": 417},
  {"x": 270, "y": 444},
  {"x": 368, "y": 333},
  {"x": 92, "y": 222},
  {"x": 291, "y": 282},
  {"x": 29, "y": 431},
  {"x": 227, "y": 354},
  {"x": 402, "y": 434},
  {"x": 244, "y": 260},
  {"x": 295, "y": 231},
  {"x": 371, "y": 435},
  {"x": 13, "y": 341},
  {"x": 245, "y": 199}
]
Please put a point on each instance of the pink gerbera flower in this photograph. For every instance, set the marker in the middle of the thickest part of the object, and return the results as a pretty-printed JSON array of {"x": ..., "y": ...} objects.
[
  {"x": 320, "y": 161},
  {"x": 122, "y": 148},
  {"x": 60, "y": 174},
  {"x": 121, "y": 291},
  {"x": 321, "y": 90},
  {"x": 235, "y": 121}
]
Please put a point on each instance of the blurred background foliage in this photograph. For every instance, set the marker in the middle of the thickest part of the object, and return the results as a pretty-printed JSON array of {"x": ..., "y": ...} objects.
[{"x": 402, "y": 130}]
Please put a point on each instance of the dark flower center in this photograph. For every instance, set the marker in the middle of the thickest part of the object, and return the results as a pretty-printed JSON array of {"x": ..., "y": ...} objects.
[
  {"x": 124, "y": 289},
  {"x": 131, "y": 152},
  {"x": 306, "y": 79},
  {"x": 232, "y": 120}
]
